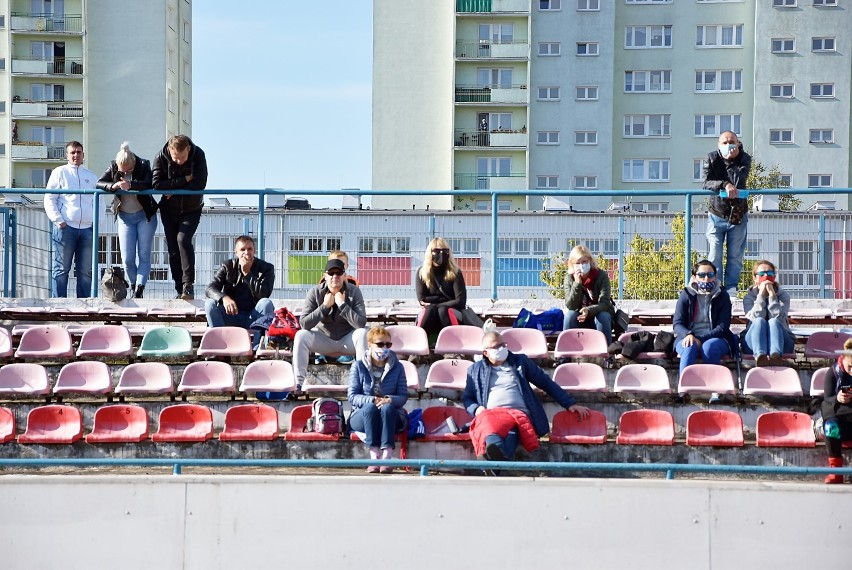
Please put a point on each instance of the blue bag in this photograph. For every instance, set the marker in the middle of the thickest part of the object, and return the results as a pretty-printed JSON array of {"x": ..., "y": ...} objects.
[
  {"x": 548, "y": 322},
  {"x": 416, "y": 427}
]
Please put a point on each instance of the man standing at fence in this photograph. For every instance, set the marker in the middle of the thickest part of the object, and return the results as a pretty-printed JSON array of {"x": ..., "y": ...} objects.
[
  {"x": 725, "y": 172},
  {"x": 71, "y": 215}
]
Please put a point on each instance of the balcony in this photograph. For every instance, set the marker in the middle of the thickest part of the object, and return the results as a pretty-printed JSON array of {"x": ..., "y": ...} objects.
[
  {"x": 57, "y": 66},
  {"x": 483, "y": 49},
  {"x": 34, "y": 150},
  {"x": 502, "y": 94},
  {"x": 55, "y": 23},
  {"x": 492, "y": 6},
  {"x": 475, "y": 138},
  {"x": 469, "y": 181},
  {"x": 56, "y": 109}
]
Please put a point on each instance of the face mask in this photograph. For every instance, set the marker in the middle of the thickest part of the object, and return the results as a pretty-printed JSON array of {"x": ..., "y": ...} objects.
[
  {"x": 585, "y": 268},
  {"x": 769, "y": 278},
  {"x": 439, "y": 258},
  {"x": 497, "y": 355},
  {"x": 705, "y": 286},
  {"x": 381, "y": 354},
  {"x": 726, "y": 149}
]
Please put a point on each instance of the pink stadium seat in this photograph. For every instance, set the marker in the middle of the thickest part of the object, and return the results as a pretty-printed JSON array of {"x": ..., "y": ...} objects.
[
  {"x": 268, "y": 376},
  {"x": 719, "y": 428},
  {"x": 435, "y": 417},
  {"x": 772, "y": 381},
  {"x": 105, "y": 340},
  {"x": 530, "y": 342},
  {"x": 448, "y": 374},
  {"x": 119, "y": 424},
  {"x": 409, "y": 340},
  {"x": 706, "y": 378},
  {"x": 145, "y": 378},
  {"x": 825, "y": 344},
  {"x": 569, "y": 428},
  {"x": 24, "y": 378},
  {"x": 45, "y": 341},
  {"x": 459, "y": 339},
  {"x": 818, "y": 382},
  {"x": 185, "y": 422},
  {"x": 226, "y": 341},
  {"x": 650, "y": 355},
  {"x": 785, "y": 429},
  {"x": 250, "y": 422},
  {"x": 580, "y": 377},
  {"x": 412, "y": 378},
  {"x": 298, "y": 420},
  {"x": 573, "y": 343},
  {"x": 208, "y": 376},
  {"x": 646, "y": 427},
  {"x": 53, "y": 424},
  {"x": 7, "y": 425},
  {"x": 83, "y": 377},
  {"x": 5, "y": 343},
  {"x": 646, "y": 378}
]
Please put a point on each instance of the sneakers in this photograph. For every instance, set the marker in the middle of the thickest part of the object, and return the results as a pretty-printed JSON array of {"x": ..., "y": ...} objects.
[
  {"x": 761, "y": 360},
  {"x": 187, "y": 294},
  {"x": 715, "y": 398},
  {"x": 345, "y": 359},
  {"x": 732, "y": 293},
  {"x": 493, "y": 452}
]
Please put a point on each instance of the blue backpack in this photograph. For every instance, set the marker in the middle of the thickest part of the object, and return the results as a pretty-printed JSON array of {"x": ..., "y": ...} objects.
[{"x": 548, "y": 322}]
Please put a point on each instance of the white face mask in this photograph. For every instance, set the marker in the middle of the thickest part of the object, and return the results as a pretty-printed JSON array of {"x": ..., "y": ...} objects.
[
  {"x": 585, "y": 268},
  {"x": 726, "y": 149},
  {"x": 497, "y": 355},
  {"x": 381, "y": 354}
]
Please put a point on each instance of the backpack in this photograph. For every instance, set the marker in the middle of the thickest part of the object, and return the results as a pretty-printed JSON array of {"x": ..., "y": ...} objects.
[
  {"x": 280, "y": 328},
  {"x": 548, "y": 322},
  {"x": 326, "y": 417},
  {"x": 114, "y": 285},
  {"x": 416, "y": 427}
]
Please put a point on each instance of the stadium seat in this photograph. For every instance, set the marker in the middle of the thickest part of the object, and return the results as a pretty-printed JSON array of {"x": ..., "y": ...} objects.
[
  {"x": 825, "y": 344},
  {"x": 624, "y": 338},
  {"x": 232, "y": 342},
  {"x": 459, "y": 339},
  {"x": 105, "y": 340},
  {"x": 7, "y": 425},
  {"x": 250, "y": 422},
  {"x": 207, "y": 376},
  {"x": 569, "y": 428},
  {"x": 83, "y": 377},
  {"x": 25, "y": 378},
  {"x": 119, "y": 424},
  {"x": 646, "y": 378},
  {"x": 772, "y": 381},
  {"x": 45, "y": 342},
  {"x": 646, "y": 427},
  {"x": 166, "y": 342},
  {"x": 184, "y": 422},
  {"x": 720, "y": 428},
  {"x": 145, "y": 378},
  {"x": 268, "y": 376},
  {"x": 299, "y": 417},
  {"x": 276, "y": 353},
  {"x": 5, "y": 343},
  {"x": 448, "y": 374},
  {"x": 409, "y": 340},
  {"x": 706, "y": 378},
  {"x": 435, "y": 420},
  {"x": 818, "y": 382},
  {"x": 580, "y": 377},
  {"x": 412, "y": 378},
  {"x": 573, "y": 343},
  {"x": 53, "y": 424},
  {"x": 530, "y": 342},
  {"x": 785, "y": 429}
]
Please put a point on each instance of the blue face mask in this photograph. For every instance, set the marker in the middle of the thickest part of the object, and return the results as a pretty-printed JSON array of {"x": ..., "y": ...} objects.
[
  {"x": 381, "y": 354},
  {"x": 705, "y": 286}
]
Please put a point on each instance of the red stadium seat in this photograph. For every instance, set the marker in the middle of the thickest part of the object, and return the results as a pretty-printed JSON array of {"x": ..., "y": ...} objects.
[
  {"x": 53, "y": 424},
  {"x": 772, "y": 381},
  {"x": 24, "y": 378},
  {"x": 706, "y": 379},
  {"x": 185, "y": 422},
  {"x": 83, "y": 377},
  {"x": 459, "y": 339},
  {"x": 580, "y": 377},
  {"x": 818, "y": 382},
  {"x": 646, "y": 427},
  {"x": 7, "y": 425},
  {"x": 105, "y": 340},
  {"x": 45, "y": 342},
  {"x": 530, "y": 342},
  {"x": 448, "y": 374},
  {"x": 569, "y": 428},
  {"x": 720, "y": 428},
  {"x": 645, "y": 378},
  {"x": 409, "y": 340},
  {"x": 435, "y": 418},
  {"x": 208, "y": 376},
  {"x": 825, "y": 344},
  {"x": 298, "y": 420},
  {"x": 119, "y": 424},
  {"x": 145, "y": 378},
  {"x": 573, "y": 343},
  {"x": 268, "y": 376},
  {"x": 250, "y": 422},
  {"x": 226, "y": 341},
  {"x": 785, "y": 429}
]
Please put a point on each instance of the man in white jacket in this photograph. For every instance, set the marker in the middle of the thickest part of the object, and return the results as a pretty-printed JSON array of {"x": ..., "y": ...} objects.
[{"x": 71, "y": 215}]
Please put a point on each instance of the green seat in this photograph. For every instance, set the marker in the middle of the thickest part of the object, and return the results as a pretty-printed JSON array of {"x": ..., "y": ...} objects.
[{"x": 166, "y": 341}]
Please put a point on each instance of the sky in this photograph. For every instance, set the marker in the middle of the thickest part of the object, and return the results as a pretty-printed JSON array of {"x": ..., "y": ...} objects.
[{"x": 282, "y": 94}]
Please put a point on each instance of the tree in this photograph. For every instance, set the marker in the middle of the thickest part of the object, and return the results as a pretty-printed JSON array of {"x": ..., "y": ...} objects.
[{"x": 759, "y": 177}]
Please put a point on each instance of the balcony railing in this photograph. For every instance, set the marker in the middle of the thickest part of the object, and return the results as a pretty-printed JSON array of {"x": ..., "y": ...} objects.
[
  {"x": 493, "y": 139},
  {"x": 504, "y": 94},
  {"x": 62, "y": 23},
  {"x": 518, "y": 49},
  {"x": 57, "y": 66},
  {"x": 492, "y": 6},
  {"x": 472, "y": 181},
  {"x": 59, "y": 109},
  {"x": 34, "y": 150}
]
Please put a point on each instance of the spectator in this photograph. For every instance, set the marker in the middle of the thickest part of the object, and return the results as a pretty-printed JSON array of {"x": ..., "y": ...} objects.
[
  {"x": 181, "y": 166},
  {"x": 725, "y": 172},
  {"x": 587, "y": 294},
  {"x": 377, "y": 392},
  {"x": 837, "y": 409},
  {"x": 342, "y": 256},
  {"x": 768, "y": 335},
  {"x": 136, "y": 215},
  {"x": 440, "y": 289},
  {"x": 71, "y": 215},
  {"x": 332, "y": 321},
  {"x": 506, "y": 411},
  {"x": 240, "y": 290}
]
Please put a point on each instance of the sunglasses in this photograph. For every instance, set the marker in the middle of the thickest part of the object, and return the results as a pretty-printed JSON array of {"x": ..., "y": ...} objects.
[
  {"x": 334, "y": 273},
  {"x": 383, "y": 344},
  {"x": 437, "y": 251},
  {"x": 768, "y": 273},
  {"x": 708, "y": 274}
]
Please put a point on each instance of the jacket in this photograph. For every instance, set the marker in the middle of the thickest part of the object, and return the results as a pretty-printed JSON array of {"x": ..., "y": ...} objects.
[
  {"x": 393, "y": 383},
  {"x": 75, "y": 210},
  {"x": 526, "y": 372},
  {"x": 836, "y": 379},
  {"x": 501, "y": 421},
  {"x": 142, "y": 179},
  {"x": 720, "y": 317},
  {"x": 716, "y": 172},
  {"x": 451, "y": 294},
  {"x": 245, "y": 290},
  {"x": 601, "y": 290},
  {"x": 335, "y": 322},
  {"x": 168, "y": 175},
  {"x": 756, "y": 306}
]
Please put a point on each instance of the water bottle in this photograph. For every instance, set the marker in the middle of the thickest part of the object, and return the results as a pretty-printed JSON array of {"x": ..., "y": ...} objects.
[
  {"x": 723, "y": 193},
  {"x": 831, "y": 429}
]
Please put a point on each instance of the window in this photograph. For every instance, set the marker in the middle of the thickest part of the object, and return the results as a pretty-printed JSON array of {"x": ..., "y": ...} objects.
[
  {"x": 712, "y": 36},
  {"x": 640, "y": 37},
  {"x": 186, "y": 29},
  {"x": 781, "y": 136},
  {"x": 549, "y": 4},
  {"x": 784, "y": 3},
  {"x": 647, "y": 126},
  {"x": 504, "y": 246},
  {"x": 645, "y": 170},
  {"x": 172, "y": 18},
  {"x": 547, "y": 137},
  {"x": 781, "y": 90},
  {"x": 485, "y": 205},
  {"x": 546, "y": 182},
  {"x": 540, "y": 246},
  {"x": 403, "y": 245},
  {"x": 549, "y": 48},
  {"x": 223, "y": 249},
  {"x": 786, "y": 180},
  {"x": 2, "y": 22},
  {"x": 2, "y": 149},
  {"x": 172, "y": 100},
  {"x": 822, "y": 90},
  {"x": 548, "y": 93},
  {"x": 109, "y": 252},
  {"x": 825, "y": 2},
  {"x": 798, "y": 260},
  {"x": 365, "y": 245},
  {"x": 496, "y": 78},
  {"x": 40, "y": 176},
  {"x": 587, "y": 48},
  {"x": 522, "y": 246},
  {"x": 585, "y": 182},
  {"x": 823, "y": 44},
  {"x": 2, "y": 64},
  {"x": 819, "y": 180},
  {"x": 585, "y": 137},
  {"x": 715, "y": 125},
  {"x": 2, "y": 107},
  {"x": 647, "y": 1},
  {"x": 587, "y": 93},
  {"x": 719, "y": 81},
  {"x": 697, "y": 169},
  {"x": 499, "y": 122},
  {"x": 187, "y": 72},
  {"x": 659, "y": 81},
  {"x": 184, "y": 111},
  {"x": 172, "y": 60},
  {"x": 821, "y": 136},
  {"x": 496, "y": 34},
  {"x": 588, "y": 5},
  {"x": 783, "y": 45}
]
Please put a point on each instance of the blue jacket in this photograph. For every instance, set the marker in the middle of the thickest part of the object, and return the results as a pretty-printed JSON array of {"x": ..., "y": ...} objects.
[
  {"x": 720, "y": 317},
  {"x": 360, "y": 392},
  {"x": 526, "y": 372}
]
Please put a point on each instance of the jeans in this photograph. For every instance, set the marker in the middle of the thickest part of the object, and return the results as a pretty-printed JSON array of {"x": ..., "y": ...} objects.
[
  {"x": 135, "y": 237},
  {"x": 768, "y": 337},
  {"x": 507, "y": 445},
  {"x": 602, "y": 322},
  {"x": 71, "y": 244},
  {"x": 718, "y": 229},
  {"x": 378, "y": 423},
  {"x": 307, "y": 342},
  {"x": 179, "y": 228},
  {"x": 217, "y": 317},
  {"x": 711, "y": 351}
]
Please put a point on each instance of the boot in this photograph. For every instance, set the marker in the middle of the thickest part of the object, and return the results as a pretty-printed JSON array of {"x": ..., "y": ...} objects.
[
  {"x": 187, "y": 294},
  {"x": 137, "y": 293},
  {"x": 833, "y": 479}
]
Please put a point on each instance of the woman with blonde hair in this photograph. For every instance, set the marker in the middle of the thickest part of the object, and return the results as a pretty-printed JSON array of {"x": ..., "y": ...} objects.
[
  {"x": 587, "y": 294},
  {"x": 440, "y": 288},
  {"x": 135, "y": 214}
]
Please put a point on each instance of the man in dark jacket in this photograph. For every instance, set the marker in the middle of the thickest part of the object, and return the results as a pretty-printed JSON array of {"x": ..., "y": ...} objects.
[{"x": 181, "y": 166}]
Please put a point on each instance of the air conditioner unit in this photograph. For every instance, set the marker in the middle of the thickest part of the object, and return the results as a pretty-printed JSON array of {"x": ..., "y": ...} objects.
[
  {"x": 618, "y": 206},
  {"x": 275, "y": 200},
  {"x": 766, "y": 203},
  {"x": 219, "y": 202},
  {"x": 557, "y": 204},
  {"x": 351, "y": 202},
  {"x": 823, "y": 205}
]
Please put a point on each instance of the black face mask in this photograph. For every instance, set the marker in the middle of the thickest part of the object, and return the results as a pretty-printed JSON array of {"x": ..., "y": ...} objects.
[{"x": 440, "y": 258}]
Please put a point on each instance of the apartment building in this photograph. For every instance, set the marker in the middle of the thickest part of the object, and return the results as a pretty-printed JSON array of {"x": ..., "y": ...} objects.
[{"x": 591, "y": 94}]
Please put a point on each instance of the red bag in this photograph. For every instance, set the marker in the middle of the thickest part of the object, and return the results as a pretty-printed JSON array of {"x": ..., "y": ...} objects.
[{"x": 284, "y": 325}]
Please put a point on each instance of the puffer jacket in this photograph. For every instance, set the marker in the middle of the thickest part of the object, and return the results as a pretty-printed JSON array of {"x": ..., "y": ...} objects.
[
  {"x": 393, "y": 383},
  {"x": 717, "y": 172},
  {"x": 501, "y": 421},
  {"x": 168, "y": 175}
]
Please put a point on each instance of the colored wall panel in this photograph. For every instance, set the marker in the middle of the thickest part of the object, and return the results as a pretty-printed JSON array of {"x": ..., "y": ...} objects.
[
  {"x": 384, "y": 270},
  {"x": 305, "y": 269},
  {"x": 471, "y": 267},
  {"x": 519, "y": 271}
]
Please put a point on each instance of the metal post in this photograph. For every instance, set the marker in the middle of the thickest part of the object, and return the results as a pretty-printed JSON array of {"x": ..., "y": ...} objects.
[
  {"x": 176, "y": 469},
  {"x": 687, "y": 240},
  {"x": 95, "y": 221},
  {"x": 621, "y": 258},
  {"x": 13, "y": 282},
  {"x": 5, "y": 213},
  {"x": 493, "y": 246},
  {"x": 822, "y": 257},
  {"x": 261, "y": 222},
  {"x": 431, "y": 227},
  {"x": 424, "y": 470}
]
